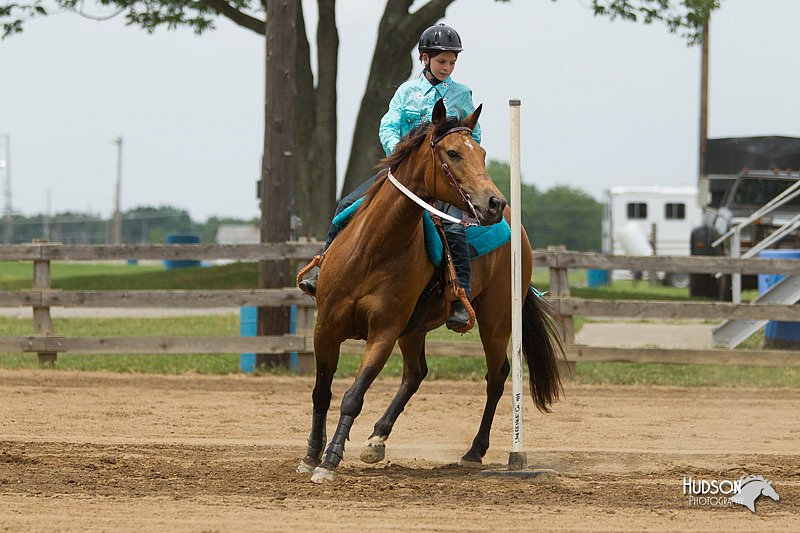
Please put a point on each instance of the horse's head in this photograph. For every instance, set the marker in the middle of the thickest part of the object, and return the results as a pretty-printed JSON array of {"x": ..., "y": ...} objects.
[{"x": 459, "y": 168}]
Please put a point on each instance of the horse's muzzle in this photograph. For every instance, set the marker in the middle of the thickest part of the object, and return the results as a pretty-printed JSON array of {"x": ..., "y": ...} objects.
[{"x": 492, "y": 212}]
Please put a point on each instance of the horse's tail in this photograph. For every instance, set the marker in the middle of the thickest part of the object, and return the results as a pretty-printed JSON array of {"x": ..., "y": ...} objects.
[{"x": 541, "y": 345}]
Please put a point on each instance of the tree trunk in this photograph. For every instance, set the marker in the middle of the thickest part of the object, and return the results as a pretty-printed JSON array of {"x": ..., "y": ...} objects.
[
  {"x": 315, "y": 124},
  {"x": 276, "y": 165},
  {"x": 304, "y": 120},
  {"x": 398, "y": 34},
  {"x": 322, "y": 180}
]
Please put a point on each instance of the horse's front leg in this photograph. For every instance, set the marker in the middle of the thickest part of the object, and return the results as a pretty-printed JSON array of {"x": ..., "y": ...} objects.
[
  {"x": 375, "y": 356},
  {"x": 326, "y": 357},
  {"x": 497, "y": 370},
  {"x": 414, "y": 371}
]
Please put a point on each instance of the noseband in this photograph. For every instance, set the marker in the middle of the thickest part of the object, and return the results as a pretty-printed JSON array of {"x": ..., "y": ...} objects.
[{"x": 437, "y": 156}]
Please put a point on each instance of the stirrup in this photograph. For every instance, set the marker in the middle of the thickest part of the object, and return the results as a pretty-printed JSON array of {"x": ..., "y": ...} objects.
[{"x": 462, "y": 298}]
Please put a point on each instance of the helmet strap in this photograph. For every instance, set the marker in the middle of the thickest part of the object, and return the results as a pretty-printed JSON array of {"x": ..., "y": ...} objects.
[{"x": 436, "y": 81}]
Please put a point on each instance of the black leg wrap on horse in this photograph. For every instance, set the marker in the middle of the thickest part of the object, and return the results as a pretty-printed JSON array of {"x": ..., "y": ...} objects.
[
  {"x": 335, "y": 452},
  {"x": 317, "y": 438}
]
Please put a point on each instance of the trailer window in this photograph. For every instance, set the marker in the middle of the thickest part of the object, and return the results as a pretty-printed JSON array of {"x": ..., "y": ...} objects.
[
  {"x": 675, "y": 211},
  {"x": 637, "y": 210}
]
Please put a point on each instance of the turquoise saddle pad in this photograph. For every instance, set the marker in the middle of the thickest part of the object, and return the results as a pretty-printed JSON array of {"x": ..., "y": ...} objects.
[{"x": 482, "y": 239}]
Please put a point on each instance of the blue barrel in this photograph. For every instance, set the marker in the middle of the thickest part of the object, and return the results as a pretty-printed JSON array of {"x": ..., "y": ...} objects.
[
  {"x": 248, "y": 327},
  {"x": 596, "y": 278},
  {"x": 181, "y": 238},
  {"x": 779, "y": 335}
]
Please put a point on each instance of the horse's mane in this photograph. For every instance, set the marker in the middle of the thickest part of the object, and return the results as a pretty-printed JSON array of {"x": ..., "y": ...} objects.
[{"x": 412, "y": 141}]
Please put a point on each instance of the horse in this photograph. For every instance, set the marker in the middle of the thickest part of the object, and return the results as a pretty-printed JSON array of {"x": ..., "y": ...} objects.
[{"x": 374, "y": 272}]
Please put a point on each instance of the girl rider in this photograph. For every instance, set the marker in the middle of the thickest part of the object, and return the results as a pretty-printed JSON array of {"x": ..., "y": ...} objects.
[{"x": 411, "y": 105}]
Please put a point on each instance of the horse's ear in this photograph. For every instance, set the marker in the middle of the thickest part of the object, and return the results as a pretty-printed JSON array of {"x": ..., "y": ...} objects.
[
  {"x": 472, "y": 119},
  {"x": 439, "y": 112}
]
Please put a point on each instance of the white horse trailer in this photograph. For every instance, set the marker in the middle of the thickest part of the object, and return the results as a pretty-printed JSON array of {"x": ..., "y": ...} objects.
[{"x": 665, "y": 216}]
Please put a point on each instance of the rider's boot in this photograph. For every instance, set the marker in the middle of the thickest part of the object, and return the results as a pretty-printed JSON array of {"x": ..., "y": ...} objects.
[
  {"x": 309, "y": 286},
  {"x": 459, "y": 317}
]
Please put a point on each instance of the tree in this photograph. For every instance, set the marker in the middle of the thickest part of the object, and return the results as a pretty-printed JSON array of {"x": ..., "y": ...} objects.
[
  {"x": 560, "y": 215},
  {"x": 315, "y": 105}
]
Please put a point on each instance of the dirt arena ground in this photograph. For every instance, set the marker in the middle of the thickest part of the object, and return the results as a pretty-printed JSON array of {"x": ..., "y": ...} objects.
[{"x": 99, "y": 452}]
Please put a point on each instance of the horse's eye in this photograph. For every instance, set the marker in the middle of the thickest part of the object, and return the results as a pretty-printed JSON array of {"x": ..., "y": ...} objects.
[{"x": 452, "y": 154}]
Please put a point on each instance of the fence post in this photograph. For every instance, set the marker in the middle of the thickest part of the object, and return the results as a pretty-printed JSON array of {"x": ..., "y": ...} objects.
[
  {"x": 559, "y": 287},
  {"x": 42, "y": 323},
  {"x": 304, "y": 327}
]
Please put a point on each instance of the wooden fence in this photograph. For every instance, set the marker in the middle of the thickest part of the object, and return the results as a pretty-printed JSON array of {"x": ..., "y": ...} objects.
[{"x": 47, "y": 343}]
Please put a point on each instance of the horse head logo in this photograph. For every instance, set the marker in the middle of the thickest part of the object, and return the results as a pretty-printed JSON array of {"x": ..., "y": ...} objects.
[{"x": 751, "y": 488}]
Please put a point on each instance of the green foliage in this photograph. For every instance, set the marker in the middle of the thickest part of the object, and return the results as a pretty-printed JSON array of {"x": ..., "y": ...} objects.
[
  {"x": 140, "y": 225},
  {"x": 148, "y": 15},
  {"x": 147, "y": 224},
  {"x": 685, "y": 18},
  {"x": 560, "y": 215}
]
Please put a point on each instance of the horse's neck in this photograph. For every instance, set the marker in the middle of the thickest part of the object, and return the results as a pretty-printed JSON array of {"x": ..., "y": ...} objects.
[{"x": 400, "y": 218}]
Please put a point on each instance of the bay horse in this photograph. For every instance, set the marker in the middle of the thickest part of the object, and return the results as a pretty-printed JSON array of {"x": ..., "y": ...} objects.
[{"x": 377, "y": 268}]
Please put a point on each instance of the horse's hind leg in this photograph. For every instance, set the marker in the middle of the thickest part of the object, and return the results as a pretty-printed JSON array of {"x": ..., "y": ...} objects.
[
  {"x": 326, "y": 356},
  {"x": 494, "y": 331},
  {"x": 375, "y": 356},
  {"x": 414, "y": 371}
]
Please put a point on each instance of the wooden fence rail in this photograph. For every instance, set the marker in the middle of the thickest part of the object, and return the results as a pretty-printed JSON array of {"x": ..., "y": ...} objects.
[{"x": 47, "y": 343}]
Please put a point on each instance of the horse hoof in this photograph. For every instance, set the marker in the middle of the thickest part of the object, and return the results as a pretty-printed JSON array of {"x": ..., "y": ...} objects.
[
  {"x": 374, "y": 450},
  {"x": 323, "y": 475},
  {"x": 470, "y": 463},
  {"x": 305, "y": 468}
]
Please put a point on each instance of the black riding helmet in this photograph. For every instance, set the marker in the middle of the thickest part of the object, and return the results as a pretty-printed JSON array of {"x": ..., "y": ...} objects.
[
  {"x": 440, "y": 38},
  {"x": 436, "y": 39}
]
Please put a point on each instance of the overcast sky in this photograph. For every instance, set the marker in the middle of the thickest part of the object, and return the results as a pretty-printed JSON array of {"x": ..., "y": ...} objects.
[{"x": 603, "y": 103}]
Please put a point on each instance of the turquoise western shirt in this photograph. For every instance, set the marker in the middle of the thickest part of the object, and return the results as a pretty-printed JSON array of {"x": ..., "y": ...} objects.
[{"x": 413, "y": 103}]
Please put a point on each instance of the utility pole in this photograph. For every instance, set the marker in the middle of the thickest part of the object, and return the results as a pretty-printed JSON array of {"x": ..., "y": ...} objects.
[
  {"x": 276, "y": 165},
  {"x": 5, "y": 163},
  {"x": 703, "y": 102},
  {"x": 46, "y": 221},
  {"x": 117, "y": 232}
]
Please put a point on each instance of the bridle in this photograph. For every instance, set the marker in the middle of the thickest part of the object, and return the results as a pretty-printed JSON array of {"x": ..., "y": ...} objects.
[
  {"x": 437, "y": 156},
  {"x": 425, "y": 205}
]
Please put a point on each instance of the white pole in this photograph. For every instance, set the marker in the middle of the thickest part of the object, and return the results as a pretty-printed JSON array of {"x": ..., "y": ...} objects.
[
  {"x": 736, "y": 279},
  {"x": 517, "y": 458},
  {"x": 117, "y": 237}
]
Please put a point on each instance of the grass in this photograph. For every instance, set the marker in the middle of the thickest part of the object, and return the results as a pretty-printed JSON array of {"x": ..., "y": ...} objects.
[
  {"x": 82, "y": 276},
  {"x": 74, "y": 276},
  {"x": 453, "y": 368},
  {"x": 687, "y": 375}
]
